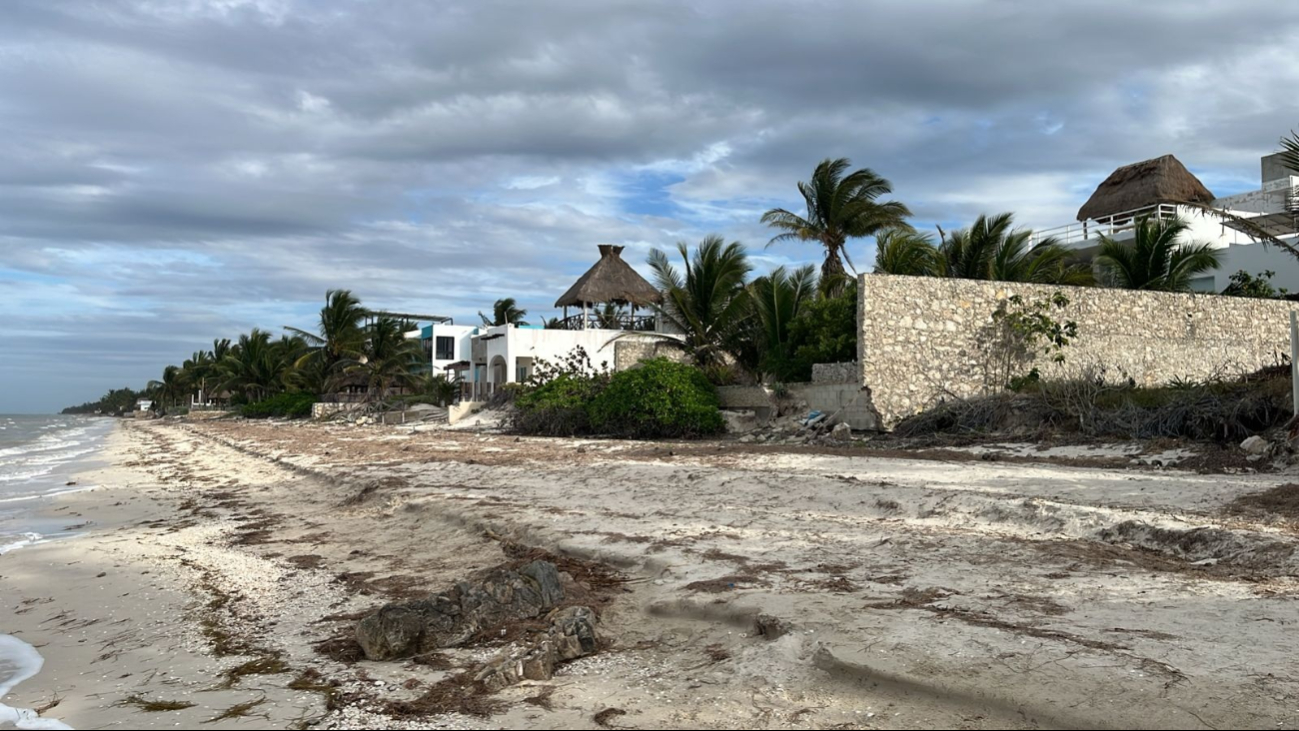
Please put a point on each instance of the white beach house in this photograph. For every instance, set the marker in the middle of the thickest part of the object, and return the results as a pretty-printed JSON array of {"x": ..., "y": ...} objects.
[
  {"x": 1164, "y": 188},
  {"x": 607, "y": 302}
]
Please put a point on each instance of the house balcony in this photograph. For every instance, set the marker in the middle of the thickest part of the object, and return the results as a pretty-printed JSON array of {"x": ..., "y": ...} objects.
[
  {"x": 599, "y": 321},
  {"x": 1083, "y": 237}
]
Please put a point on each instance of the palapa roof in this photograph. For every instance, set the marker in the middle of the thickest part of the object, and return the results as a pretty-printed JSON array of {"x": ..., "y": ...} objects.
[
  {"x": 611, "y": 280},
  {"x": 1147, "y": 183}
]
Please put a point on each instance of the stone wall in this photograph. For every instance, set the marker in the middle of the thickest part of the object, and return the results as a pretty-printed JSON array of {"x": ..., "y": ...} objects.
[
  {"x": 322, "y": 409},
  {"x": 630, "y": 351},
  {"x": 835, "y": 372},
  {"x": 923, "y": 339}
]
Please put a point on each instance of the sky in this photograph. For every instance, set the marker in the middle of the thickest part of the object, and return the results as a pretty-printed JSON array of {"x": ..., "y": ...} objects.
[{"x": 173, "y": 171}]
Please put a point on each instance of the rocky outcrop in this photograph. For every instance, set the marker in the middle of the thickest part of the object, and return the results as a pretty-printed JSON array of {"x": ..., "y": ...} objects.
[
  {"x": 452, "y": 617},
  {"x": 572, "y": 634}
]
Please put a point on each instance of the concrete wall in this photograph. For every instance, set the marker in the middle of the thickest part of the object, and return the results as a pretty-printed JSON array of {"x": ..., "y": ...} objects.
[
  {"x": 922, "y": 339},
  {"x": 849, "y": 400}
]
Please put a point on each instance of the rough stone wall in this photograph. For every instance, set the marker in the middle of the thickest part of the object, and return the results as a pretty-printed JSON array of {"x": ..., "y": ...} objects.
[
  {"x": 630, "y": 351},
  {"x": 923, "y": 339},
  {"x": 835, "y": 372}
]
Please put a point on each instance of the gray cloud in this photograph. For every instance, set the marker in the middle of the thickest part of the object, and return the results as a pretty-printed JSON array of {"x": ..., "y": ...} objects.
[{"x": 176, "y": 170}]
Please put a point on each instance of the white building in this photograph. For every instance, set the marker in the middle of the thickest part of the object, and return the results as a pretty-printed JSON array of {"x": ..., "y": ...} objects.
[
  {"x": 1163, "y": 188},
  {"x": 609, "y": 296},
  {"x": 448, "y": 345}
]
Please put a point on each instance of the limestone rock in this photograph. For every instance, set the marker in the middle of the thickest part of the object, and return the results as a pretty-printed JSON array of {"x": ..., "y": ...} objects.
[
  {"x": 451, "y": 617},
  {"x": 1255, "y": 445},
  {"x": 841, "y": 433},
  {"x": 572, "y": 634}
]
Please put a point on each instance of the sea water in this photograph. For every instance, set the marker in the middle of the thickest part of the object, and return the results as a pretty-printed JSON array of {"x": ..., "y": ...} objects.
[{"x": 38, "y": 457}]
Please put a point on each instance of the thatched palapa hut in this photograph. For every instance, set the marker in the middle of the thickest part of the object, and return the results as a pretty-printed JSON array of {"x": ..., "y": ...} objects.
[
  {"x": 610, "y": 281},
  {"x": 1144, "y": 184}
]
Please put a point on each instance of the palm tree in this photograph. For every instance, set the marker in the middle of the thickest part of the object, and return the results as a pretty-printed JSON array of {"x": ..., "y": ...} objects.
[
  {"x": 840, "y": 206},
  {"x": 900, "y": 251},
  {"x": 220, "y": 348},
  {"x": 709, "y": 301},
  {"x": 992, "y": 249},
  {"x": 1154, "y": 259},
  {"x": 504, "y": 313},
  {"x": 170, "y": 388},
  {"x": 340, "y": 334},
  {"x": 778, "y": 299},
  {"x": 255, "y": 366},
  {"x": 1290, "y": 152},
  {"x": 197, "y": 370},
  {"x": 389, "y": 359}
]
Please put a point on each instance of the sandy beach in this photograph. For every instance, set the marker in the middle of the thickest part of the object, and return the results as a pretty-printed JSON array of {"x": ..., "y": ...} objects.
[{"x": 219, "y": 569}]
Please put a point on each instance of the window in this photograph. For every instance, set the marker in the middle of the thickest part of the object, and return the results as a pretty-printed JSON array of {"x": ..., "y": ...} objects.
[
  {"x": 521, "y": 374},
  {"x": 446, "y": 348}
]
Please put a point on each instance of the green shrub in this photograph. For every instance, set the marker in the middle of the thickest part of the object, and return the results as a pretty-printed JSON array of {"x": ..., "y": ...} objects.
[
  {"x": 557, "y": 407},
  {"x": 295, "y": 405},
  {"x": 657, "y": 399}
]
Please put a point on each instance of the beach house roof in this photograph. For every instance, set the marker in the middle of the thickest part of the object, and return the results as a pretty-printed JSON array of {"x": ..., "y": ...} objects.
[
  {"x": 1142, "y": 184},
  {"x": 611, "y": 280}
]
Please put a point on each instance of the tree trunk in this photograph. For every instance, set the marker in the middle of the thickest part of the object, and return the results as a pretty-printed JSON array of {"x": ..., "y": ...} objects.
[{"x": 833, "y": 276}]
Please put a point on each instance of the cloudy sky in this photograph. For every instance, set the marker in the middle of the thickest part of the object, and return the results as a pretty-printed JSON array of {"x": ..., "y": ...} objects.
[{"x": 177, "y": 170}]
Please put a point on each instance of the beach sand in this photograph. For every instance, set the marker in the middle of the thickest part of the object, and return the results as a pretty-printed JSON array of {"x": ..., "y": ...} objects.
[{"x": 223, "y": 564}]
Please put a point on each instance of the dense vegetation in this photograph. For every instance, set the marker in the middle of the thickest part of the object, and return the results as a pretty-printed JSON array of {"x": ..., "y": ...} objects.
[
  {"x": 351, "y": 349},
  {"x": 658, "y": 398}
]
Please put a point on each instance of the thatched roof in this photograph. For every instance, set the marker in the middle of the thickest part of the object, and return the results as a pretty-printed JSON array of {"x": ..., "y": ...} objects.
[
  {"x": 611, "y": 280},
  {"x": 1161, "y": 180}
]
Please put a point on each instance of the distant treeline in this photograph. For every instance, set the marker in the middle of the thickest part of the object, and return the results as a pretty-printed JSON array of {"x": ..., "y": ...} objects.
[{"x": 114, "y": 403}]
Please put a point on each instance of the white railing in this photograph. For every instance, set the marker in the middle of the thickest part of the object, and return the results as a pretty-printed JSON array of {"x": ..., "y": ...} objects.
[{"x": 1073, "y": 235}]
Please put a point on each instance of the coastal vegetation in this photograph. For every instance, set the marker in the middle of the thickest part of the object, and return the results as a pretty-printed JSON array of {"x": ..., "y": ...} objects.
[{"x": 733, "y": 327}]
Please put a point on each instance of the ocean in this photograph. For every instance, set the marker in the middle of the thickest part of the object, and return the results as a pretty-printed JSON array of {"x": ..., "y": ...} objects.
[{"x": 38, "y": 457}]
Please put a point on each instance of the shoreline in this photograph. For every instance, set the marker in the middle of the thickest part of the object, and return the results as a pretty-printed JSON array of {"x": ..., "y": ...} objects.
[{"x": 228, "y": 562}]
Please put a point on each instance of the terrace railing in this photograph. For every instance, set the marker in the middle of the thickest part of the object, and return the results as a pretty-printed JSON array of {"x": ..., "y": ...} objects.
[
  {"x": 1077, "y": 234},
  {"x": 597, "y": 321}
]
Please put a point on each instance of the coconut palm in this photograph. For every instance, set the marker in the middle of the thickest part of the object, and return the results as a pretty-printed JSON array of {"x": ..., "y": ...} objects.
[
  {"x": 840, "y": 205},
  {"x": 709, "y": 301},
  {"x": 1154, "y": 259},
  {"x": 339, "y": 335},
  {"x": 1290, "y": 152},
  {"x": 901, "y": 251},
  {"x": 993, "y": 249},
  {"x": 171, "y": 388},
  {"x": 389, "y": 359},
  {"x": 197, "y": 370},
  {"x": 504, "y": 312},
  {"x": 778, "y": 299},
  {"x": 255, "y": 366}
]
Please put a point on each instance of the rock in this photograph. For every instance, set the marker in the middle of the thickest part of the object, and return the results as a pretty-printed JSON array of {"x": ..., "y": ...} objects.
[
  {"x": 572, "y": 634},
  {"x": 1255, "y": 445},
  {"x": 451, "y": 617},
  {"x": 841, "y": 433},
  {"x": 769, "y": 627}
]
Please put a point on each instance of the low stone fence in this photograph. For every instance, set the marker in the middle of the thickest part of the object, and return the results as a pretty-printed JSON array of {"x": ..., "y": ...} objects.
[{"x": 322, "y": 409}]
